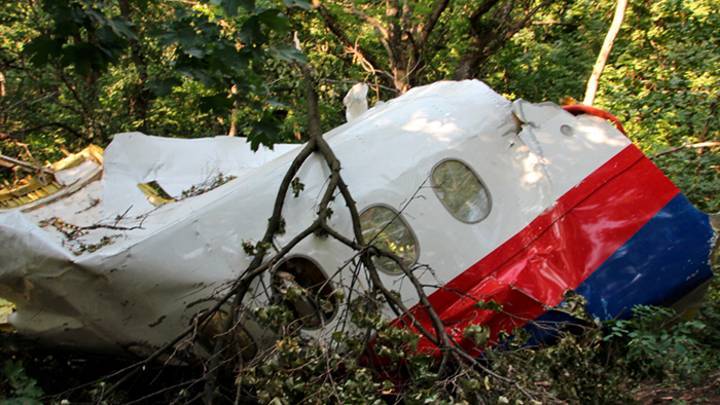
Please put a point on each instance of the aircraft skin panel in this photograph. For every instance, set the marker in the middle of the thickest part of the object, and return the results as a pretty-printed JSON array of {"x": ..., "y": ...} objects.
[
  {"x": 641, "y": 273},
  {"x": 611, "y": 238},
  {"x": 566, "y": 194},
  {"x": 656, "y": 266}
]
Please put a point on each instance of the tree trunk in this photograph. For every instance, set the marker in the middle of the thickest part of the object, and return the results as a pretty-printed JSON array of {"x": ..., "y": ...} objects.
[
  {"x": 3, "y": 114},
  {"x": 234, "y": 112},
  {"x": 602, "y": 58},
  {"x": 400, "y": 80},
  {"x": 492, "y": 25},
  {"x": 468, "y": 65},
  {"x": 233, "y": 124}
]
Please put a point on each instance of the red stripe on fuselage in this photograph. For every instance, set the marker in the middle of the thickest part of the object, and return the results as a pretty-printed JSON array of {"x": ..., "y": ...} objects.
[{"x": 531, "y": 272}]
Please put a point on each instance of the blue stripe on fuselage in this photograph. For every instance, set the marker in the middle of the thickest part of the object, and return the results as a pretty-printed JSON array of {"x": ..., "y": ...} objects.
[{"x": 664, "y": 261}]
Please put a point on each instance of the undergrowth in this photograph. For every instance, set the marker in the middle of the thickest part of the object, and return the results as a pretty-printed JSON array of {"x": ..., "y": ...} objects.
[{"x": 591, "y": 362}]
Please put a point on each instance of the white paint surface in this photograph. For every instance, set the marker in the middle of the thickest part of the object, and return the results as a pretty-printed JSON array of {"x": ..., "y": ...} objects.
[{"x": 146, "y": 286}]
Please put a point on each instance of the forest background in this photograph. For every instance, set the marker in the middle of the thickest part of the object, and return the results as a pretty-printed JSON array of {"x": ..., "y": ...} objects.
[{"x": 76, "y": 72}]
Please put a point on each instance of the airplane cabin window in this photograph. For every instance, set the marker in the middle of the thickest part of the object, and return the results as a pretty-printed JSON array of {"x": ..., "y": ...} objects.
[
  {"x": 300, "y": 284},
  {"x": 461, "y": 191},
  {"x": 387, "y": 231}
]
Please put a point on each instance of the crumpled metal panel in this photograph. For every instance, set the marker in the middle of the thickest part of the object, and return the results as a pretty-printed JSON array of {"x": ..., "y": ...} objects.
[{"x": 570, "y": 198}]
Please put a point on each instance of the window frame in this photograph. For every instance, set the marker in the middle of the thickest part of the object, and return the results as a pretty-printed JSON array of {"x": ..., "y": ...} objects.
[
  {"x": 399, "y": 216},
  {"x": 479, "y": 179}
]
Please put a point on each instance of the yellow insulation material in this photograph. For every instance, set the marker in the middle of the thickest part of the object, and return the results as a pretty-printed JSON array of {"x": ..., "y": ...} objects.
[{"x": 36, "y": 187}]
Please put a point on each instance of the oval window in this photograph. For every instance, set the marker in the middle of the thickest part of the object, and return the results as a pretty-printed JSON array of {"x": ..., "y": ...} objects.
[
  {"x": 461, "y": 191},
  {"x": 304, "y": 288},
  {"x": 386, "y": 230}
]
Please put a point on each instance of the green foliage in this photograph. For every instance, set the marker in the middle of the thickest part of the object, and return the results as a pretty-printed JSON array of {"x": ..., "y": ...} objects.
[
  {"x": 661, "y": 79},
  {"x": 576, "y": 369},
  {"x": 657, "y": 344},
  {"x": 80, "y": 35},
  {"x": 478, "y": 334},
  {"x": 697, "y": 174},
  {"x": 591, "y": 364},
  {"x": 78, "y": 72},
  {"x": 81, "y": 71},
  {"x": 19, "y": 388}
]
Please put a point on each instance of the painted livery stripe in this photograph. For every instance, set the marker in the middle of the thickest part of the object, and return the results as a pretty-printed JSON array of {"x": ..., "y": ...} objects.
[
  {"x": 659, "y": 265},
  {"x": 531, "y": 272}
]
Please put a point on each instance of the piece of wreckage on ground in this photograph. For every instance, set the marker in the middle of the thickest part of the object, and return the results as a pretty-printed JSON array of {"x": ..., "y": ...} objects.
[{"x": 485, "y": 199}]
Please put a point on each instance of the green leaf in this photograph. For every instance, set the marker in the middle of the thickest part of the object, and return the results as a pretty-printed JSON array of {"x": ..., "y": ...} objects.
[
  {"x": 274, "y": 20},
  {"x": 163, "y": 87},
  {"x": 219, "y": 103},
  {"x": 478, "y": 334},
  {"x": 288, "y": 53},
  {"x": 121, "y": 28},
  {"x": 24, "y": 388},
  {"x": 230, "y": 7},
  {"x": 489, "y": 305},
  {"x": 251, "y": 31},
  {"x": 43, "y": 49}
]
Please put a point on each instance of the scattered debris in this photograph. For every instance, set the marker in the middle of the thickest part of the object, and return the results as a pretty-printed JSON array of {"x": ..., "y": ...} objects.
[{"x": 204, "y": 187}]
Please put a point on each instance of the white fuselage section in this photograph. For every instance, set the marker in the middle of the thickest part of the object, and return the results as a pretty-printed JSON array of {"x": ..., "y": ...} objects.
[{"x": 147, "y": 284}]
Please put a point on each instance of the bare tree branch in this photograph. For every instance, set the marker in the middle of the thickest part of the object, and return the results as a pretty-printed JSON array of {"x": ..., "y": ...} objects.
[
  {"x": 374, "y": 22},
  {"x": 19, "y": 134},
  {"x": 699, "y": 145},
  {"x": 490, "y": 36},
  {"x": 429, "y": 25},
  {"x": 366, "y": 60}
]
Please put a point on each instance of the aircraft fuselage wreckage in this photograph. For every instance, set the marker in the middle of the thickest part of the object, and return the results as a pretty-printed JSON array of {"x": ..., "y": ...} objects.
[{"x": 486, "y": 199}]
